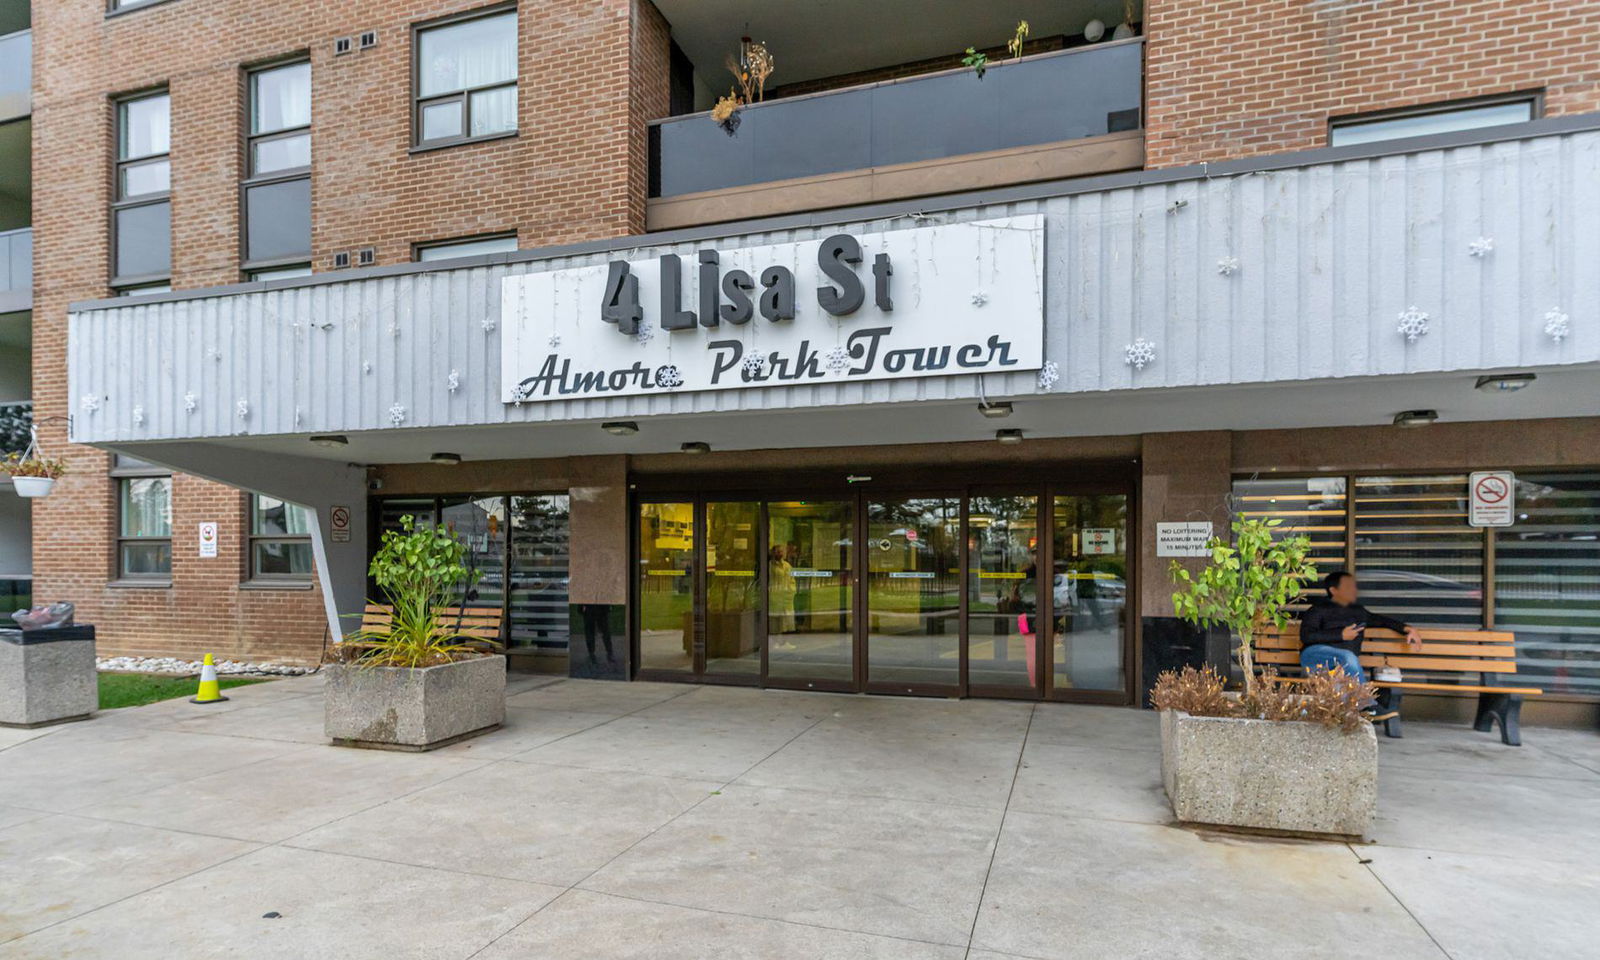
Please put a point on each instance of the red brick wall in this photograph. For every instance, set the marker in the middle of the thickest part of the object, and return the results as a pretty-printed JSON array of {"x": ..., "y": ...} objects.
[
  {"x": 575, "y": 172},
  {"x": 1238, "y": 78}
]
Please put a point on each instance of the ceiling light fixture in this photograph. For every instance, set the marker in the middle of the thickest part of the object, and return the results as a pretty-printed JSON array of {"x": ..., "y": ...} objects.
[
  {"x": 445, "y": 459},
  {"x": 696, "y": 446},
  {"x": 995, "y": 411},
  {"x": 1008, "y": 436},
  {"x": 331, "y": 440},
  {"x": 1415, "y": 418},
  {"x": 1505, "y": 382},
  {"x": 620, "y": 428}
]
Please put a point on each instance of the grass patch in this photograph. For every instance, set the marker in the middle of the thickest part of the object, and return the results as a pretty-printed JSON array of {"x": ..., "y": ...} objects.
[{"x": 137, "y": 689}]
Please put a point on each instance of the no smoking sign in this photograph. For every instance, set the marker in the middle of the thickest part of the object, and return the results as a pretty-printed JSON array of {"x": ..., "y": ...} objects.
[{"x": 1493, "y": 498}]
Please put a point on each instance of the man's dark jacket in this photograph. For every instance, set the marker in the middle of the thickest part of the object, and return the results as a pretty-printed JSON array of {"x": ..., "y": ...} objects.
[{"x": 1324, "y": 622}]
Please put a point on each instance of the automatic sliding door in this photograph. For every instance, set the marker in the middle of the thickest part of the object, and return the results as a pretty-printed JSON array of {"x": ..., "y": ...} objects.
[
  {"x": 666, "y": 584},
  {"x": 733, "y": 589},
  {"x": 1089, "y": 593},
  {"x": 912, "y": 563},
  {"x": 810, "y": 618},
  {"x": 1003, "y": 594}
]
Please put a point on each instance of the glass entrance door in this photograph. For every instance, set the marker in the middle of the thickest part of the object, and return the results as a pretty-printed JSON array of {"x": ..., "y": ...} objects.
[
  {"x": 1003, "y": 595},
  {"x": 912, "y": 563},
  {"x": 1089, "y": 594},
  {"x": 810, "y": 594}
]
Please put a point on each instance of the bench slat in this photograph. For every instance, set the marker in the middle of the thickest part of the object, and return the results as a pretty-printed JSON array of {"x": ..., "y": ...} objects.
[
  {"x": 1428, "y": 633},
  {"x": 1400, "y": 646}
]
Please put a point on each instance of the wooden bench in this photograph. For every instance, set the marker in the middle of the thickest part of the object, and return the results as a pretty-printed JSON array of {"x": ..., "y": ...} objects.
[
  {"x": 475, "y": 623},
  {"x": 1491, "y": 654}
]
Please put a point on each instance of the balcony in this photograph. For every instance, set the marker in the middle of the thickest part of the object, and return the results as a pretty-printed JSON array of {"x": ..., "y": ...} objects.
[
  {"x": 16, "y": 75},
  {"x": 16, "y": 270},
  {"x": 866, "y": 126}
]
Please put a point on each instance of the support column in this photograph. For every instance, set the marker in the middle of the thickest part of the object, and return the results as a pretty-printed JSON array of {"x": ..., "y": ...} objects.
[
  {"x": 599, "y": 569},
  {"x": 1187, "y": 477}
]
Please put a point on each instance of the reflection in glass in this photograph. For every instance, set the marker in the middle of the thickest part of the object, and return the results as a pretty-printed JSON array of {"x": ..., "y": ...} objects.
[
  {"x": 809, "y": 619},
  {"x": 913, "y": 591},
  {"x": 1002, "y": 591},
  {"x": 666, "y": 586},
  {"x": 733, "y": 588},
  {"x": 481, "y": 525},
  {"x": 1547, "y": 581},
  {"x": 1089, "y": 591},
  {"x": 1416, "y": 557},
  {"x": 537, "y": 620}
]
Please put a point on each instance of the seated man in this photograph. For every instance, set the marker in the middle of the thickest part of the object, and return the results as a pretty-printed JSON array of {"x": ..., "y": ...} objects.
[{"x": 1331, "y": 630}]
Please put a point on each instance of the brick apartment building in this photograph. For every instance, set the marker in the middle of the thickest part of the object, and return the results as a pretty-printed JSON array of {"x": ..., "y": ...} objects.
[{"x": 314, "y": 208}]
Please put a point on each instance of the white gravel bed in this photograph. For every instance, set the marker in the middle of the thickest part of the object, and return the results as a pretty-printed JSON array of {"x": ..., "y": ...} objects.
[{"x": 174, "y": 665}]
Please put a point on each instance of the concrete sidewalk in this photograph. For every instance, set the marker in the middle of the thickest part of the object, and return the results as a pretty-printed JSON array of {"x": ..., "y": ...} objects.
[{"x": 668, "y": 821}]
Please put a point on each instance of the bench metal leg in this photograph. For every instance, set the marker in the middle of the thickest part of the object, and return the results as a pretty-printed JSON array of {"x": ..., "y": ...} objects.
[
  {"x": 1389, "y": 699},
  {"x": 1504, "y": 707}
]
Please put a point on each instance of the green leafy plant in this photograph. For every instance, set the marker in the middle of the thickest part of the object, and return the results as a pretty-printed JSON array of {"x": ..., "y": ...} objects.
[
  {"x": 1247, "y": 586},
  {"x": 977, "y": 60},
  {"x": 418, "y": 569},
  {"x": 18, "y": 465}
]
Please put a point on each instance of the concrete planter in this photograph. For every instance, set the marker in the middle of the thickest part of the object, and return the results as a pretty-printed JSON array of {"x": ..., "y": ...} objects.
[
  {"x": 1281, "y": 777},
  {"x": 47, "y": 676},
  {"x": 398, "y": 708}
]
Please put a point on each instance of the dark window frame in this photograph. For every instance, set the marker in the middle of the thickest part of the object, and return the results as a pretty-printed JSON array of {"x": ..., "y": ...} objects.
[
  {"x": 252, "y": 180},
  {"x": 252, "y": 537},
  {"x": 121, "y": 474},
  {"x": 1534, "y": 99},
  {"x": 464, "y": 95},
  {"x": 119, "y": 203},
  {"x": 418, "y": 247},
  {"x": 117, "y": 8}
]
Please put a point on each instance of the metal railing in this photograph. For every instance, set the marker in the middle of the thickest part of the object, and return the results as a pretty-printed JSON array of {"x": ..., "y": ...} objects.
[
  {"x": 16, "y": 270},
  {"x": 1047, "y": 98}
]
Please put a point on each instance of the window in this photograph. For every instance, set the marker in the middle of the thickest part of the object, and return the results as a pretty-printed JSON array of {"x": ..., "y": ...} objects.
[
  {"x": 1425, "y": 121},
  {"x": 277, "y": 188},
  {"x": 130, "y": 4},
  {"x": 290, "y": 272},
  {"x": 280, "y": 540},
  {"x": 140, "y": 290},
  {"x": 466, "y": 79},
  {"x": 142, "y": 210},
  {"x": 144, "y": 520},
  {"x": 450, "y": 249}
]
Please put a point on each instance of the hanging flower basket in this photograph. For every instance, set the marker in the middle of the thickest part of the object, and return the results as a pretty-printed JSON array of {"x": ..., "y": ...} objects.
[{"x": 33, "y": 486}]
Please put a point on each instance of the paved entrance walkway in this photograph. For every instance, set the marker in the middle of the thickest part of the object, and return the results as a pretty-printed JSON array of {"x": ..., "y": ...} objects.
[{"x": 665, "y": 821}]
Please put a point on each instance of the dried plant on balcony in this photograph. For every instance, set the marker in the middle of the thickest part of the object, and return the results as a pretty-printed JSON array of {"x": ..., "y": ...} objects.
[
  {"x": 751, "y": 69},
  {"x": 726, "y": 113},
  {"x": 1014, "y": 45}
]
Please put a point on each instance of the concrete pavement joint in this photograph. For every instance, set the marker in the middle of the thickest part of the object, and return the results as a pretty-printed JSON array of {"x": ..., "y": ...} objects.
[
  {"x": 994, "y": 851},
  {"x": 1366, "y": 863}
]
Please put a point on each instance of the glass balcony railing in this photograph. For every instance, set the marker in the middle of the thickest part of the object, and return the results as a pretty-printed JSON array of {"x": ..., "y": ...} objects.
[
  {"x": 1042, "y": 99},
  {"x": 16, "y": 270},
  {"x": 15, "y": 418},
  {"x": 16, "y": 75}
]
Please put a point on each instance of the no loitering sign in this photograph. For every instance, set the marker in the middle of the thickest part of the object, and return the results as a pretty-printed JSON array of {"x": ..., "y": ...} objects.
[{"x": 1493, "y": 498}]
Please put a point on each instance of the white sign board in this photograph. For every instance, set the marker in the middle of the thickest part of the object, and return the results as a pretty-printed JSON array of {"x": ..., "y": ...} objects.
[
  {"x": 942, "y": 300},
  {"x": 1186, "y": 539},
  {"x": 208, "y": 539},
  {"x": 1493, "y": 500},
  {"x": 339, "y": 524},
  {"x": 1099, "y": 540}
]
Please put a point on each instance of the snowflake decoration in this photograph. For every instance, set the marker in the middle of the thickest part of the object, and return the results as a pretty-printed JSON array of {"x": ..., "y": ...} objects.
[
  {"x": 138, "y": 416},
  {"x": 366, "y": 367},
  {"x": 89, "y": 402},
  {"x": 1481, "y": 247},
  {"x": 645, "y": 333},
  {"x": 519, "y": 393},
  {"x": 1557, "y": 325},
  {"x": 190, "y": 402},
  {"x": 1049, "y": 374},
  {"x": 1228, "y": 266},
  {"x": 669, "y": 376},
  {"x": 1413, "y": 324},
  {"x": 754, "y": 364},
  {"x": 837, "y": 359},
  {"x": 397, "y": 414},
  {"x": 453, "y": 382},
  {"x": 555, "y": 341},
  {"x": 212, "y": 353},
  {"x": 1139, "y": 354},
  {"x": 297, "y": 416},
  {"x": 488, "y": 324},
  {"x": 394, "y": 328},
  {"x": 242, "y": 408},
  {"x": 979, "y": 298}
]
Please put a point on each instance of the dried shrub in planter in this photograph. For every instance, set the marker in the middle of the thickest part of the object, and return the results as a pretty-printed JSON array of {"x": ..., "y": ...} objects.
[
  {"x": 1198, "y": 693},
  {"x": 1329, "y": 699}
]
